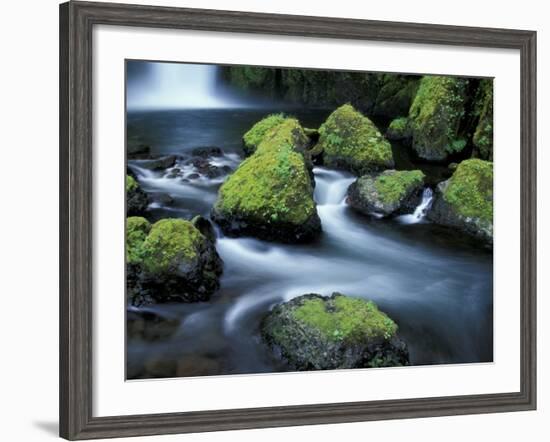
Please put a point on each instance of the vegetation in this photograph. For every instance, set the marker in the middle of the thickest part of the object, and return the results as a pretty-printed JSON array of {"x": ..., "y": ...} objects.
[
  {"x": 131, "y": 184},
  {"x": 470, "y": 189},
  {"x": 254, "y": 136},
  {"x": 170, "y": 243},
  {"x": 273, "y": 185},
  {"x": 345, "y": 318},
  {"x": 483, "y": 135},
  {"x": 392, "y": 188},
  {"x": 137, "y": 229},
  {"x": 435, "y": 116},
  {"x": 351, "y": 141}
]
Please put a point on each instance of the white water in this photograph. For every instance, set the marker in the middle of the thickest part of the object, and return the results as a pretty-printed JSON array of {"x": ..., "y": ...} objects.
[
  {"x": 178, "y": 86},
  {"x": 421, "y": 210}
]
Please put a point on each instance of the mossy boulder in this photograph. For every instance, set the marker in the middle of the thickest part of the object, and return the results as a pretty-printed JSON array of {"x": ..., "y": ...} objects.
[
  {"x": 390, "y": 193},
  {"x": 465, "y": 201},
  {"x": 314, "y": 332},
  {"x": 270, "y": 195},
  {"x": 398, "y": 129},
  {"x": 350, "y": 141},
  {"x": 435, "y": 116},
  {"x": 255, "y": 135},
  {"x": 483, "y": 135},
  {"x": 172, "y": 261},
  {"x": 136, "y": 198}
]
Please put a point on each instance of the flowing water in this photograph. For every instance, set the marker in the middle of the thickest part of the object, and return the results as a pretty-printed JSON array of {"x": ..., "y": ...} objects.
[{"x": 435, "y": 283}]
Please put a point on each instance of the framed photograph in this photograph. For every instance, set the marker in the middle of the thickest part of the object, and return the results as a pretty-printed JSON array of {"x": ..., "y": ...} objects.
[{"x": 271, "y": 220}]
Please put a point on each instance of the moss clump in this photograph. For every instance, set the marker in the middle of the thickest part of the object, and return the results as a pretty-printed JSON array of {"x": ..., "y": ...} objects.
[
  {"x": 398, "y": 129},
  {"x": 137, "y": 229},
  {"x": 255, "y": 135},
  {"x": 170, "y": 243},
  {"x": 351, "y": 141},
  {"x": 470, "y": 190},
  {"x": 273, "y": 185},
  {"x": 392, "y": 188},
  {"x": 435, "y": 117},
  {"x": 483, "y": 135},
  {"x": 131, "y": 184},
  {"x": 343, "y": 318}
]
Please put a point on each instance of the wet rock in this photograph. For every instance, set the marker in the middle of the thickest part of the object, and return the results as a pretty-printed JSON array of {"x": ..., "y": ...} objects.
[
  {"x": 205, "y": 227},
  {"x": 173, "y": 262},
  {"x": 136, "y": 198},
  {"x": 350, "y": 141},
  {"x": 270, "y": 195},
  {"x": 465, "y": 201},
  {"x": 390, "y": 193},
  {"x": 207, "y": 151},
  {"x": 160, "y": 163},
  {"x": 314, "y": 332},
  {"x": 161, "y": 198}
]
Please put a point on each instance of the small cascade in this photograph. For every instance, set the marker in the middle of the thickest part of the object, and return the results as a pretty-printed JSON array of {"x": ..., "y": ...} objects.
[{"x": 420, "y": 212}]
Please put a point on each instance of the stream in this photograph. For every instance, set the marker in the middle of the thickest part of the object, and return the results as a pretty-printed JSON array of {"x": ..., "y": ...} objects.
[{"x": 435, "y": 283}]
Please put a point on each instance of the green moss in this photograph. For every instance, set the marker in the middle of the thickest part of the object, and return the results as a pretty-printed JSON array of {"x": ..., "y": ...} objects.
[
  {"x": 131, "y": 184},
  {"x": 137, "y": 229},
  {"x": 170, "y": 243},
  {"x": 350, "y": 140},
  {"x": 392, "y": 187},
  {"x": 346, "y": 318},
  {"x": 435, "y": 116},
  {"x": 399, "y": 124},
  {"x": 483, "y": 135},
  {"x": 470, "y": 189},
  {"x": 273, "y": 184},
  {"x": 254, "y": 136}
]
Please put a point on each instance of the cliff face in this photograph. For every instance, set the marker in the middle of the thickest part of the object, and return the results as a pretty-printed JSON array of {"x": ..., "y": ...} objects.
[{"x": 385, "y": 95}]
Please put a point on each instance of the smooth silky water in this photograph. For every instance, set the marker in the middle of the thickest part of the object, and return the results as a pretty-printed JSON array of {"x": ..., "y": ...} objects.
[{"x": 434, "y": 282}]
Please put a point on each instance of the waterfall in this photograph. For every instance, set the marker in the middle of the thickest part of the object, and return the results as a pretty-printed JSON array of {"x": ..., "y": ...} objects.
[
  {"x": 157, "y": 85},
  {"x": 421, "y": 210}
]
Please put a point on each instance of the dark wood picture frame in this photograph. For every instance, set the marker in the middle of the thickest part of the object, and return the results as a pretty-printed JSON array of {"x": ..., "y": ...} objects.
[{"x": 77, "y": 20}]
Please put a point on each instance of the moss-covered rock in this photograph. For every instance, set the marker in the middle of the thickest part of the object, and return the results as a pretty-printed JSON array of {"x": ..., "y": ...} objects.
[
  {"x": 173, "y": 261},
  {"x": 395, "y": 94},
  {"x": 398, "y": 129},
  {"x": 465, "y": 200},
  {"x": 136, "y": 198},
  {"x": 313, "y": 332},
  {"x": 435, "y": 116},
  {"x": 351, "y": 141},
  {"x": 137, "y": 229},
  {"x": 483, "y": 135},
  {"x": 255, "y": 135},
  {"x": 270, "y": 195},
  {"x": 389, "y": 193}
]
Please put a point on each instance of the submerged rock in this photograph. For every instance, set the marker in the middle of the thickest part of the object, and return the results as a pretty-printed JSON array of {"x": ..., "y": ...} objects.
[
  {"x": 270, "y": 195},
  {"x": 391, "y": 192},
  {"x": 352, "y": 142},
  {"x": 138, "y": 151},
  {"x": 148, "y": 325},
  {"x": 207, "y": 151},
  {"x": 136, "y": 198},
  {"x": 171, "y": 260},
  {"x": 314, "y": 332},
  {"x": 465, "y": 201},
  {"x": 435, "y": 116}
]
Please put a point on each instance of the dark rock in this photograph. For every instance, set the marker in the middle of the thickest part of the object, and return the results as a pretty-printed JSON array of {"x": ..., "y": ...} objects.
[
  {"x": 160, "y": 163},
  {"x": 207, "y": 151},
  {"x": 136, "y": 198},
  {"x": 389, "y": 193},
  {"x": 205, "y": 227},
  {"x": 314, "y": 332},
  {"x": 138, "y": 151},
  {"x": 147, "y": 325},
  {"x": 161, "y": 198}
]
